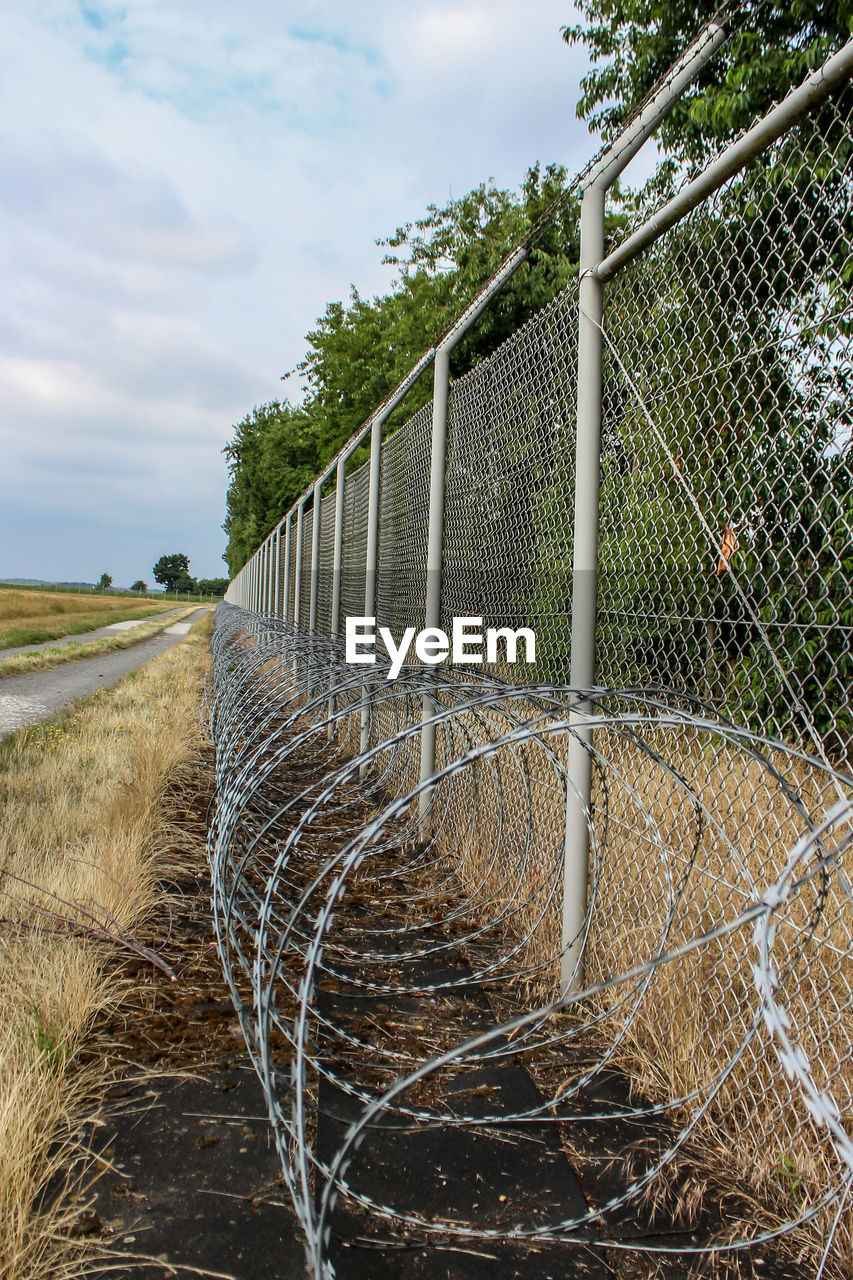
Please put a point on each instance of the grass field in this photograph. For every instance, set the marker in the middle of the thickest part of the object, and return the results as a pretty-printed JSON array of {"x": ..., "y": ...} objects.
[
  {"x": 85, "y": 842},
  {"x": 42, "y": 659},
  {"x": 28, "y": 616}
]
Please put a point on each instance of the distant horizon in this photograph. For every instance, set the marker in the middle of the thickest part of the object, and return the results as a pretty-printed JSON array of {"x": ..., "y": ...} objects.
[
  {"x": 151, "y": 588},
  {"x": 183, "y": 189},
  {"x": 68, "y": 582}
]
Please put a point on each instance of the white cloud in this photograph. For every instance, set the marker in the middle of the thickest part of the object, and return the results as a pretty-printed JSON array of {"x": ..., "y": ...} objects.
[
  {"x": 52, "y": 386},
  {"x": 187, "y": 183},
  {"x": 455, "y": 34}
]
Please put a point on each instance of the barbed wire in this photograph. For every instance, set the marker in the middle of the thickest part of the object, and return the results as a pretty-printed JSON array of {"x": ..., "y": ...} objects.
[
  {"x": 332, "y": 909},
  {"x": 395, "y": 948}
]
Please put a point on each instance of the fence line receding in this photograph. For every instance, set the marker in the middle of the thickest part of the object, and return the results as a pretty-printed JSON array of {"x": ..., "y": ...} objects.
[{"x": 603, "y": 908}]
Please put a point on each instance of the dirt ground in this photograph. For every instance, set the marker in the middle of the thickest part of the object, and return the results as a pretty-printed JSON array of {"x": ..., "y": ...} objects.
[{"x": 193, "y": 1182}]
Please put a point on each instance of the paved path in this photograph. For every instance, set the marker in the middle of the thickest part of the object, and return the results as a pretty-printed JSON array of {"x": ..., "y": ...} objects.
[
  {"x": 108, "y": 630},
  {"x": 40, "y": 694}
]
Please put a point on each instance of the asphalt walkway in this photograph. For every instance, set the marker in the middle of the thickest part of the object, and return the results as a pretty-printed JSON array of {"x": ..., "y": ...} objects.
[
  {"x": 37, "y": 695},
  {"x": 109, "y": 630}
]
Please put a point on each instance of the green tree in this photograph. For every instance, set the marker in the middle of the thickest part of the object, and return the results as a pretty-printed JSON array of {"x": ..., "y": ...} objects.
[
  {"x": 169, "y": 569},
  {"x": 359, "y": 351},
  {"x": 741, "y": 314},
  {"x": 272, "y": 457},
  {"x": 213, "y": 586},
  {"x": 186, "y": 583},
  {"x": 104, "y": 582},
  {"x": 139, "y": 586},
  {"x": 774, "y": 44}
]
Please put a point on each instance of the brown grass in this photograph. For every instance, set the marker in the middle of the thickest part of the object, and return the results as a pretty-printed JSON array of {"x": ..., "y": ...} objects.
[
  {"x": 27, "y": 616},
  {"x": 675, "y": 859},
  {"x": 699, "y": 1010},
  {"x": 665, "y": 878},
  {"x": 83, "y": 840}
]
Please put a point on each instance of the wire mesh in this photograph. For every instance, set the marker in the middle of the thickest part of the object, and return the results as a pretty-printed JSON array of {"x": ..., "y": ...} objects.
[
  {"x": 392, "y": 986},
  {"x": 304, "y": 568},
  {"x": 510, "y": 485},
  {"x": 354, "y": 542},
  {"x": 325, "y": 564},
  {"x": 403, "y": 518},
  {"x": 397, "y": 975},
  {"x": 289, "y": 610},
  {"x": 726, "y": 549}
]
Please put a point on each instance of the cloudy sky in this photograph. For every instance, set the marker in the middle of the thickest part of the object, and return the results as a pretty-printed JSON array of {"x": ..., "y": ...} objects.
[{"x": 184, "y": 184}]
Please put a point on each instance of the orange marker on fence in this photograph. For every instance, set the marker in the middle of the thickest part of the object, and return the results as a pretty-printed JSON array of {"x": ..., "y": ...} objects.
[{"x": 728, "y": 547}]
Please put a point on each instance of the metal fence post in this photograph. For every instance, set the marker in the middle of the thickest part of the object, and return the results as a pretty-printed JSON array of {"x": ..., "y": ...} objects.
[
  {"x": 587, "y": 485},
  {"x": 277, "y": 598},
  {"x": 370, "y": 563},
  {"x": 285, "y": 612},
  {"x": 584, "y": 584},
  {"x": 315, "y": 559},
  {"x": 286, "y": 588},
  {"x": 297, "y": 580},
  {"x": 435, "y": 552},
  {"x": 337, "y": 561},
  {"x": 314, "y": 579}
]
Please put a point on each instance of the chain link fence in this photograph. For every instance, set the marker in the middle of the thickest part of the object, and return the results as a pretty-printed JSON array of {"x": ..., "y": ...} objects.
[
  {"x": 726, "y": 545},
  {"x": 723, "y": 594},
  {"x": 725, "y": 551}
]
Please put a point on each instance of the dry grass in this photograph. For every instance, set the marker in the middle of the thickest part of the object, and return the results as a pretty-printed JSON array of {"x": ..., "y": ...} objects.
[
  {"x": 688, "y": 829},
  {"x": 661, "y": 891},
  {"x": 83, "y": 840},
  {"x": 687, "y": 832},
  {"x": 42, "y": 659},
  {"x": 675, "y": 859},
  {"x": 28, "y": 617}
]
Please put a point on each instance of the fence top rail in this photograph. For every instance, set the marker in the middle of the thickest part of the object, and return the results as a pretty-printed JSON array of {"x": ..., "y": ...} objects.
[
  {"x": 640, "y": 126},
  {"x": 798, "y": 103},
  {"x": 610, "y": 160}
]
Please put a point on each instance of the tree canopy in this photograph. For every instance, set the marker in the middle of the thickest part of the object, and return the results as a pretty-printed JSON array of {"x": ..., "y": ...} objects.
[
  {"x": 357, "y": 353},
  {"x": 359, "y": 350},
  {"x": 272, "y": 456},
  {"x": 632, "y": 43},
  {"x": 169, "y": 569},
  {"x": 213, "y": 586},
  {"x": 761, "y": 302}
]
